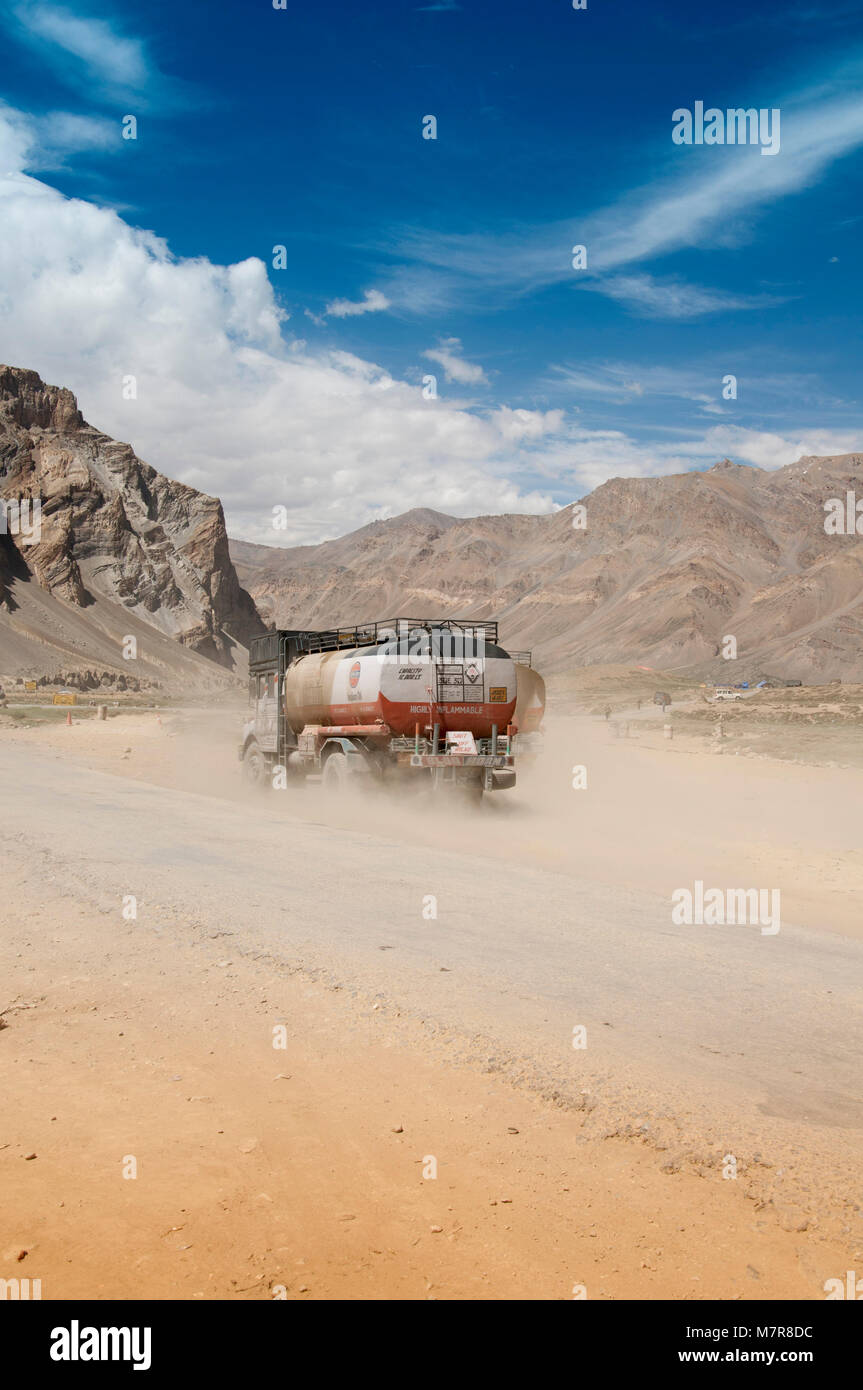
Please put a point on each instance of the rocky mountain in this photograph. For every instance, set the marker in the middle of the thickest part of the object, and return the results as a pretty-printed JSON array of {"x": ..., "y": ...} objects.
[
  {"x": 662, "y": 572},
  {"x": 120, "y": 550}
]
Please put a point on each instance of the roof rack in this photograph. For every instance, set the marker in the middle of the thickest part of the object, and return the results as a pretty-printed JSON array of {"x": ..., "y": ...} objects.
[
  {"x": 264, "y": 650},
  {"x": 372, "y": 634}
]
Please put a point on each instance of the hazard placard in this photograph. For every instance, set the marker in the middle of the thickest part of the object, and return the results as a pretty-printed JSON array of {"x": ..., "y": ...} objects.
[{"x": 462, "y": 740}]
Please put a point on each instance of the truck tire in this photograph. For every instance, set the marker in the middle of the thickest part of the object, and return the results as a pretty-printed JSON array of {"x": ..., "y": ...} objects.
[
  {"x": 254, "y": 766},
  {"x": 334, "y": 777}
]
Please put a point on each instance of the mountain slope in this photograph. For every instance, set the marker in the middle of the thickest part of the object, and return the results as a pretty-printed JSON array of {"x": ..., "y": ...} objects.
[
  {"x": 665, "y": 569},
  {"x": 123, "y": 550}
]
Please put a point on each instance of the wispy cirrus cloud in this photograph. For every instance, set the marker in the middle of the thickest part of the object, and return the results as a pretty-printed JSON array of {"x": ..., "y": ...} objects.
[
  {"x": 709, "y": 198},
  {"x": 45, "y": 141},
  {"x": 675, "y": 299},
  {"x": 93, "y": 55},
  {"x": 640, "y": 385},
  {"x": 107, "y": 55}
]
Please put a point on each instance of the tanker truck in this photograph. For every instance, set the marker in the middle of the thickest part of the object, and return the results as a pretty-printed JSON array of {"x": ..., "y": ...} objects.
[{"x": 423, "y": 702}]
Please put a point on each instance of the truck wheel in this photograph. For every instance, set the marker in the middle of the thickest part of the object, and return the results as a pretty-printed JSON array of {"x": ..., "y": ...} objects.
[
  {"x": 254, "y": 766},
  {"x": 334, "y": 777}
]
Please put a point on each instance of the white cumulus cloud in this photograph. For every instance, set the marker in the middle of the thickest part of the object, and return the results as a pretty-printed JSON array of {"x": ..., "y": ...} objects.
[
  {"x": 224, "y": 402},
  {"x": 229, "y": 403},
  {"x": 456, "y": 368},
  {"x": 372, "y": 302}
]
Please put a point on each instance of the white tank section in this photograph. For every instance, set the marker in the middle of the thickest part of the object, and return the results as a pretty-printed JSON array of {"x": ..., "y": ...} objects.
[{"x": 457, "y": 684}]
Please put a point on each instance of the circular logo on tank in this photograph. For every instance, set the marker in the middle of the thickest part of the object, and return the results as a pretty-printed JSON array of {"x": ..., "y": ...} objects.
[{"x": 354, "y": 676}]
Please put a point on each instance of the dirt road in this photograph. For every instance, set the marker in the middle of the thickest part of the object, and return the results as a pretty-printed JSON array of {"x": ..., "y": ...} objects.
[{"x": 442, "y": 979}]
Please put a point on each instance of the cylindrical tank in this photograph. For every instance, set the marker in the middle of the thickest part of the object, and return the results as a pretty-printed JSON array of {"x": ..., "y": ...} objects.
[
  {"x": 530, "y": 704},
  {"x": 452, "y": 682}
]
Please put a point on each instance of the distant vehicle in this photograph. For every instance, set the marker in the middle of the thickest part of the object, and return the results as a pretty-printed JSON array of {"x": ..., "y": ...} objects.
[
  {"x": 775, "y": 682},
  {"x": 727, "y": 692},
  {"x": 662, "y": 699}
]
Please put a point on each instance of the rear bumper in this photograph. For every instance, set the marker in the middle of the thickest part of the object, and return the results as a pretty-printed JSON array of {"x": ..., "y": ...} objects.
[{"x": 478, "y": 760}]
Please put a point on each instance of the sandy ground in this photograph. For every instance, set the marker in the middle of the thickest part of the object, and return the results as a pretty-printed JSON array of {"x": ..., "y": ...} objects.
[
  {"x": 309, "y": 1167},
  {"x": 655, "y": 813}
]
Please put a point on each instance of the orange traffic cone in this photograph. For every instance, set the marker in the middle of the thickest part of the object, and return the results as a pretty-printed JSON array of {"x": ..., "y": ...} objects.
[{"x": 68, "y": 716}]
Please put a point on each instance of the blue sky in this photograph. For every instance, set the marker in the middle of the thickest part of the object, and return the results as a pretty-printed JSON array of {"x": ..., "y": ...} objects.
[{"x": 302, "y": 127}]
